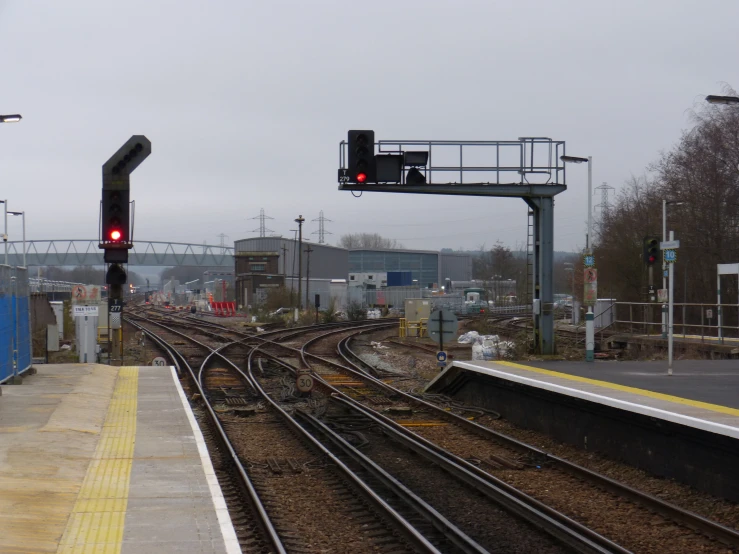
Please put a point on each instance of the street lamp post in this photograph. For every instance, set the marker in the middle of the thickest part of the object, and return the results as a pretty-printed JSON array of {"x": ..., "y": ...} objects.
[
  {"x": 590, "y": 316},
  {"x": 589, "y": 160},
  {"x": 23, "y": 216},
  {"x": 5, "y": 230},
  {"x": 13, "y": 118},
  {"x": 731, "y": 100},
  {"x": 713, "y": 99}
]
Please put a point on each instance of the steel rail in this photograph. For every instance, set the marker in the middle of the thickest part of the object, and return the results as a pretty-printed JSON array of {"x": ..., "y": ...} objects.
[
  {"x": 409, "y": 532},
  {"x": 690, "y": 519},
  {"x": 425, "y": 510},
  {"x": 359, "y": 363},
  {"x": 555, "y": 523},
  {"x": 568, "y": 531}
]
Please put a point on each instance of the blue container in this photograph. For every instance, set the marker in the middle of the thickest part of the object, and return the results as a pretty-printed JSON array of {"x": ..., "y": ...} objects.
[{"x": 399, "y": 279}]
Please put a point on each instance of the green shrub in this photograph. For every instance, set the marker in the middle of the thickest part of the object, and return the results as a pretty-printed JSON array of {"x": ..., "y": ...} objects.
[{"x": 355, "y": 312}]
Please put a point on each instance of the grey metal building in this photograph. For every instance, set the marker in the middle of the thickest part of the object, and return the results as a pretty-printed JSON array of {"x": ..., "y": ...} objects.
[
  {"x": 326, "y": 262},
  {"x": 456, "y": 266},
  {"x": 428, "y": 267}
]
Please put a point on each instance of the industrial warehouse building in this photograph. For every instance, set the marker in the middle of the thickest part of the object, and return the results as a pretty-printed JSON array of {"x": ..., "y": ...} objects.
[
  {"x": 255, "y": 276},
  {"x": 429, "y": 269},
  {"x": 264, "y": 262}
]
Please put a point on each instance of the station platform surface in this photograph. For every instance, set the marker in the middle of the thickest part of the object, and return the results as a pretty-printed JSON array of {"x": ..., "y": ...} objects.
[
  {"x": 100, "y": 459},
  {"x": 700, "y": 393}
]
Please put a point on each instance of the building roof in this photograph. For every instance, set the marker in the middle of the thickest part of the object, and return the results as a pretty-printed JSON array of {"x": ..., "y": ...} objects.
[{"x": 315, "y": 244}]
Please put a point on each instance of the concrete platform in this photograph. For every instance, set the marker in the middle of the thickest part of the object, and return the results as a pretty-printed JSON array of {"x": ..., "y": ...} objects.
[
  {"x": 712, "y": 381},
  {"x": 96, "y": 458},
  {"x": 684, "y": 426}
]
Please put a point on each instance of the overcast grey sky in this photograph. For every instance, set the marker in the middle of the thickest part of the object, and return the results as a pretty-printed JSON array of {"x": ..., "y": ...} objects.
[{"x": 245, "y": 104}]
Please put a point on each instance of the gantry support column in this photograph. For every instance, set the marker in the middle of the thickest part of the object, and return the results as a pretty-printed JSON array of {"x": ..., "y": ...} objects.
[{"x": 543, "y": 208}]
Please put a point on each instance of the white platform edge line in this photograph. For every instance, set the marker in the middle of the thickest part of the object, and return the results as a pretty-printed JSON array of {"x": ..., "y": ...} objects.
[
  {"x": 219, "y": 503},
  {"x": 674, "y": 417}
]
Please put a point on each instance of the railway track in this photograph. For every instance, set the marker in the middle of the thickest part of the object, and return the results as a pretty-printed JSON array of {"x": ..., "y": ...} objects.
[
  {"x": 532, "y": 469},
  {"x": 294, "y": 484},
  {"x": 355, "y": 408}
]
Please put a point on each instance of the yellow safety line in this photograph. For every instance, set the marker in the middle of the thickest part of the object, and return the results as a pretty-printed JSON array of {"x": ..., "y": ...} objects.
[
  {"x": 642, "y": 392},
  {"x": 97, "y": 519}
]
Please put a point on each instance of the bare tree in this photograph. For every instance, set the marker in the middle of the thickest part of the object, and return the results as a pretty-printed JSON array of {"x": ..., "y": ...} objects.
[
  {"x": 368, "y": 240},
  {"x": 702, "y": 171}
]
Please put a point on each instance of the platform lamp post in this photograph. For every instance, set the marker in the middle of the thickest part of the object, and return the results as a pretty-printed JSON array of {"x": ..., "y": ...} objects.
[
  {"x": 666, "y": 203},
  {"x": 23, "y": 216},
  {"x": 712, "y": 99},
  {"x": 13, "y": 118},
  {"x": 728, "y": 100},
  {"x": 589, "y": 316},
  {"x": 5, "y": 230}
]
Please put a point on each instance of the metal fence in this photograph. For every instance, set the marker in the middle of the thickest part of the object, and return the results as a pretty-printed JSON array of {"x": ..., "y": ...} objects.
[
  {"x": 689, "y": 320},
  {"x": 15, "y": 324},
  {"x": 395, "y": 297}
]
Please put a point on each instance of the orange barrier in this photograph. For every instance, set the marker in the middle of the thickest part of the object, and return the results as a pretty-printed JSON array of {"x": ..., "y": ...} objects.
[{"x": 225, "y": 309}]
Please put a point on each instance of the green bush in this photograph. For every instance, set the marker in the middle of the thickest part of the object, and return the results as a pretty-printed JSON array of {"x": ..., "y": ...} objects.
[
  {"x": 329, "y": 315},
  {"x": 355, "y": 312}
]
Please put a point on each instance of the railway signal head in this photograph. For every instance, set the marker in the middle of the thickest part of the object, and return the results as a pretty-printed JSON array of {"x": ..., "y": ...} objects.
[
  {"x": 127, "y": 158},
  {"x": 650, "y": 250},
  {"x": 116, "y": 213},
  {"x": 361, "y": 157},
  {"x": 115, "y": 219}
]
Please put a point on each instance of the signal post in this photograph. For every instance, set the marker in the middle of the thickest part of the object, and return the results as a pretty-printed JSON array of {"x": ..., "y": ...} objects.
[{"x": 116, "y": 228}]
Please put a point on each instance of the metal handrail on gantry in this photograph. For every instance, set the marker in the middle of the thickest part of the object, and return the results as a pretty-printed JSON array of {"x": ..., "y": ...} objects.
[{"x": 81, "y": 252}]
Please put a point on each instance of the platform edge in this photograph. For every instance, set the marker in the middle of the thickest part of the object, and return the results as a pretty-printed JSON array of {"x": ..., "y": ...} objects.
[{"x": 219, "y": 502}]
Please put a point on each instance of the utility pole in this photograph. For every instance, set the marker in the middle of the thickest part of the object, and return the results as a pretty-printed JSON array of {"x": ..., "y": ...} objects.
[
  {"x": 292, "y": 271},
  {"x": 284, "y": 262},
  {"x": 307, "y": 277},
  {"x": 300, "y": 221}
]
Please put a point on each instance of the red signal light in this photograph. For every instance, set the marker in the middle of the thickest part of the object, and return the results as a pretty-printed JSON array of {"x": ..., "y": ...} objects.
[
  {"x": 361, "y": 177},
  {"x": 652, "y": 259},
  {"x": 115, "y": 234}
]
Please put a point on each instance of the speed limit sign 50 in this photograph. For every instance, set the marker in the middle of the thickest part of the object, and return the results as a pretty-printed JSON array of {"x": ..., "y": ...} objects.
[{"x": 304, "y": 381}]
